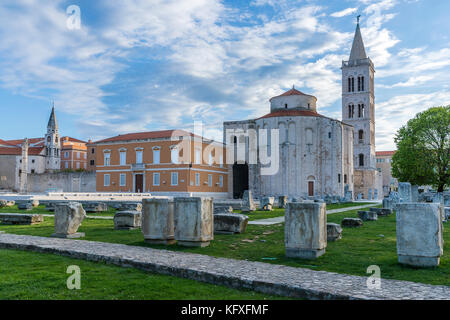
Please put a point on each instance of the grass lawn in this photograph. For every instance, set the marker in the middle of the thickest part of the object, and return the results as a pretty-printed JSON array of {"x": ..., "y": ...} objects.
[
  {"x": 372, "y": 244},
  {"x": 31, "y": 275}
]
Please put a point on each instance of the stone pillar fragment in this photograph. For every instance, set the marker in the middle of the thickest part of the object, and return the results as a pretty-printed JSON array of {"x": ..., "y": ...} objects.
[
  {"x": 305, "y": 230},
  {"x": 282, "y": 200},
  {"x": 419, "y": 234},
  {"x": 127, "y": 220},
  {"x": 267, "y": 203},
  {"x": 194, "y": 221},
  {"x": 158, "y": 221},
  {"x": 404, "y": 190},
  {"x": 247, "y": 202},
  {"x": 68, "y": 218}
]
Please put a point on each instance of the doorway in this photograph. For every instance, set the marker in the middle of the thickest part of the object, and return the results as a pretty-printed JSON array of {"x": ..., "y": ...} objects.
[
  {"x": 240, "y": 180},
  {"x": 311, "y": 188},
  {"x": 139, "y": 183}
]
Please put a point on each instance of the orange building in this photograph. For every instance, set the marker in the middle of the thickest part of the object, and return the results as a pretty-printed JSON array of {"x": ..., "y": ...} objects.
[
  {"x": 91, "y": 156},
  {"x": 73, "y": 154},
  {"x": 170, "y": 162}
]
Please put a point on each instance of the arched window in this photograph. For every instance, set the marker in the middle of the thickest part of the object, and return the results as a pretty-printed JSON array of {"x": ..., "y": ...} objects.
[
  {"x": 285, "y": 105},
  {"x": 361, "y": 83},
  {"x": 351, "y": 111},
  {"x": 361, "y": 160},
  {"x": 351, "y": 84},
  {"x": 361, "y": 136},
  {"x": 360, "y": 110}
]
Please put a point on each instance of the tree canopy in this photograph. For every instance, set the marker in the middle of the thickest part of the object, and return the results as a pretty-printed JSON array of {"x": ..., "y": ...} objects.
[{"x": 423, "y": 149}]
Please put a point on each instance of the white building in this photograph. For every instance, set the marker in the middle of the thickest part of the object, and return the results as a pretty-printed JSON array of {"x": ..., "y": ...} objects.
[{"x": 28, "y": 156}]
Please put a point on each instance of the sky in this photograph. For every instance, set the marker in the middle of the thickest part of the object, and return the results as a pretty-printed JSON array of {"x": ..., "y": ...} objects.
[{"x": 143, "y": 65}]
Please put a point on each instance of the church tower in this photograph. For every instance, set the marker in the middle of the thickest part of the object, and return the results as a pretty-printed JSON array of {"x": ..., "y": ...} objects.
[
  {"x": 358, "y": 110},
  {"x": 52, "y": 144}
]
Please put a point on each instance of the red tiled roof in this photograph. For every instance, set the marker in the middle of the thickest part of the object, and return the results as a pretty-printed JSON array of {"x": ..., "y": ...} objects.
[
  {"x": 385, "y": 153},
  {"x": 147, "y": 135},
  {"x": 73, "y": 140},
  {"x": 18, "y": 151},
  {"x": 292, "y": 92},
  {"x": 31, "y": 141},
  {"x": 291, "y": 113}
]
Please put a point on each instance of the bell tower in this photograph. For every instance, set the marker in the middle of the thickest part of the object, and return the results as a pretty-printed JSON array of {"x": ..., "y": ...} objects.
[
  {"x": 52, "y": 144},
  {"x": 358, "y": 110}
]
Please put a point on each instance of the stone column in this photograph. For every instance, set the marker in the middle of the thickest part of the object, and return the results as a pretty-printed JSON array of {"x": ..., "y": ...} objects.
[
  {"x": 404, "y": 190},
  {"x": 305, "y": 230},
  {"x": 23, "y": 184},
  {"x": 194, "y": 221},
  {"x": 68, "y": 218},
  {"x": 419, "y": 234},
  {"x": 247, "y": 202},
  {"x": 158, "y": 221}
]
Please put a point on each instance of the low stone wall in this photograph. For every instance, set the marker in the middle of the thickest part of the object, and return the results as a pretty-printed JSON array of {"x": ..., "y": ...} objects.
[{"x": 64, "y": 181}]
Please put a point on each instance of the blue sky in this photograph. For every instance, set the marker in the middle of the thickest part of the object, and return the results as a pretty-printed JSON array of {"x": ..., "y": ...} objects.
[{"x": 143, "y": 65}]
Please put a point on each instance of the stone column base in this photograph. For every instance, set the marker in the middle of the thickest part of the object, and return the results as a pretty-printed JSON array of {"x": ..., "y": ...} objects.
[
  {"x": 68, "y": 236},
  {"x": 418, "y": 261},
  {"x": 193, "y": 243},
  {"x": 160, "y": 241},
  {"x": 304, "y": 253}
]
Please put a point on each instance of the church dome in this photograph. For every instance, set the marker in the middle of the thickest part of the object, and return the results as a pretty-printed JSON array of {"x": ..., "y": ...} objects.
[{"x": 293, "y": 99}]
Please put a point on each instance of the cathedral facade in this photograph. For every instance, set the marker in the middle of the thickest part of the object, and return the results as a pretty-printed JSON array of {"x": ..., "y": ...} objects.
[{"x": 317, "y": 156}]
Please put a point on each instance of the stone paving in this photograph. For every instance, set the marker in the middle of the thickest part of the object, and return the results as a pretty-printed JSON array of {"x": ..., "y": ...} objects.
[
  {"x": 262, "y": 277},
  {"x": 276, "y": 220}
]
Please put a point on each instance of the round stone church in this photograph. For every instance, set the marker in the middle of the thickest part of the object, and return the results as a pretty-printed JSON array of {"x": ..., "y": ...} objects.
[{"x": 315, "y": 155}]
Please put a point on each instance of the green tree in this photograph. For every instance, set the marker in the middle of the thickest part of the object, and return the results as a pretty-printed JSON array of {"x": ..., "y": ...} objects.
[{"x": 423, "y": 149}]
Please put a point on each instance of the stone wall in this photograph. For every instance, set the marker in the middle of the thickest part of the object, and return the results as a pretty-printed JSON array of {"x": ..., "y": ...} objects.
[{"x": 62, "y": 181}]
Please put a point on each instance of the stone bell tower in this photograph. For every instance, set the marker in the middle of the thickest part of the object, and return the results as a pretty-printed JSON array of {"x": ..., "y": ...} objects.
[
  {"x": 52, "y": 144},
  {"x": 358, "y": 110}
]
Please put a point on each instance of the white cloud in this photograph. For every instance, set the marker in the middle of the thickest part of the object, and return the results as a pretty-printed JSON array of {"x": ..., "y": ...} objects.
[
  {"x": 395, "y": 113},
  {"x": 344, "y": 13}
]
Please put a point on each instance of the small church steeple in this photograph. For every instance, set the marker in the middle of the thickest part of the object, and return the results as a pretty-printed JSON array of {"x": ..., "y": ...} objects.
[
  {"x": 52, "y": 123},
  {"x": 358, "y": 51},
  {"x": 52, "y": 143}
]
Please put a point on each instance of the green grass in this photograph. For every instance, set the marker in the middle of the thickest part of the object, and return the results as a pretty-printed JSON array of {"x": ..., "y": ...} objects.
[
  {"x": 372, "y": 244},
  {"x": 31, "y": 275},
  {"x": 41, "y": 210},
  {"x": 346, "y": 205}
]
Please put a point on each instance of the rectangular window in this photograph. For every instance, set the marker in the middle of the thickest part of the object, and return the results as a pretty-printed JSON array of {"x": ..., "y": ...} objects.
[
  {"x": 92, "y": 162},
  {"x": 123, "y": 180},
  {"x": 345, "y": 178},
  {"x": 210, "y": 180},
  {"x": 107, "y": 159},
  {"x": 198, "y": 156},
  {"x": 221, "y": 181},
  {"x": 139, "y": 158},
  {"x": 93, "y": 150},
  {"x": 156, "y": 179},
  {"x": 174, "y": 155},
  {"x": 339, "y": 178},
  {"x": 78, "y": 155},
  {"x": 78, "y": 165},
  {"x": 66, "y": 154},
  {"x": 197, "y": 179},
  {"x": 123, "y": 158},
  {"x": 156, "y": 156},
  {"x": 174, "y": 179},
  {"x": 67, "y": 165},
  {"x": 106, "y": 180}
]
